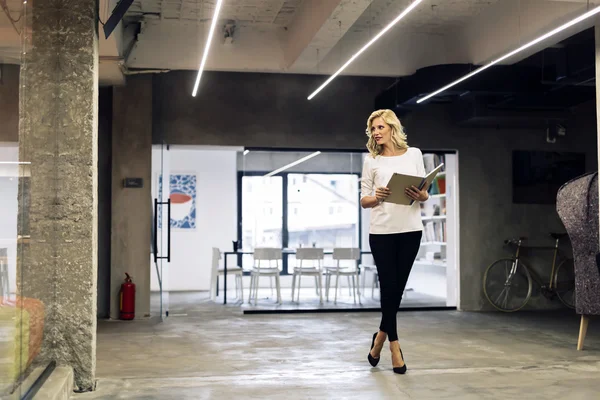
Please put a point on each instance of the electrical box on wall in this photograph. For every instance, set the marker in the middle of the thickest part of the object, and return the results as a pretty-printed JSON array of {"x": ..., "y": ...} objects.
[{"x": 133, "y": 183}]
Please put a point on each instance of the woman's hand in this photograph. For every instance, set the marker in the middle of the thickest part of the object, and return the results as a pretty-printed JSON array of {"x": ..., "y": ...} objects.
[
  {"x": 382, "y": 193},
  {"x": 416, "y": 194}
]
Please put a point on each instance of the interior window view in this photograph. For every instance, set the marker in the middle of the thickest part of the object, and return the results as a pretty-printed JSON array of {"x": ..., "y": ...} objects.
[
  {"x": 374, "y": 199},
  {"x": 296, "y": 200}
]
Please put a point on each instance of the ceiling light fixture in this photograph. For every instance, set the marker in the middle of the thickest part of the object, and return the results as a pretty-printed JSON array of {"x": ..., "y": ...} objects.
[
  {"x": 512, "y": 53},
  {"x": 290, "y": 165},
  {"x": 408, "y": 9},
  {"x": 211, "y": 32}
]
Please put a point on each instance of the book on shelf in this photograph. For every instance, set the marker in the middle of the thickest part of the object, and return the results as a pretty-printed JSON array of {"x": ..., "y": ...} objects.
[
  {"x": 432, "y": 161},
  {"x": 434, "y": 231}
]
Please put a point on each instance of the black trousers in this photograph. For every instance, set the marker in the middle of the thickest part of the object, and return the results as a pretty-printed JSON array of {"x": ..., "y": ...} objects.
[{"x": 394, "y": 255}]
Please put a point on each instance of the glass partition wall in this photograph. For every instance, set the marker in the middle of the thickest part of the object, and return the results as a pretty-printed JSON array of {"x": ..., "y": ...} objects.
[
  {"x": 22, "y": 313},
  {"x": 26, "y": 293},
  {"x": 291, "y": 200}
]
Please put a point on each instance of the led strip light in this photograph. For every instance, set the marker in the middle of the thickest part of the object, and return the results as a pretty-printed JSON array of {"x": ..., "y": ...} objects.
[
  {"x": 211, "y": 32},
  {"x": 290, "y": 165},
  {"x": 365, "y": 47}
]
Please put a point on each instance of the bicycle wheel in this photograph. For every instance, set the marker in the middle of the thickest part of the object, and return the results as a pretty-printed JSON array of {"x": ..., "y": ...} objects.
[
  {"x": 507, "y": 288},
  {"x": 564, "y": 282}
]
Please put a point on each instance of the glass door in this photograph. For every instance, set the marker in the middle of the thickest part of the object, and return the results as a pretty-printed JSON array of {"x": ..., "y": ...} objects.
[{"x": 161, "y": 246}]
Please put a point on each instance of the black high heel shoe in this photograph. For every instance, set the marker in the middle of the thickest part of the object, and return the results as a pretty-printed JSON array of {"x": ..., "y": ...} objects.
[
  {"x": 372, "y": 360},
  {"x": 401, "y": 370}
]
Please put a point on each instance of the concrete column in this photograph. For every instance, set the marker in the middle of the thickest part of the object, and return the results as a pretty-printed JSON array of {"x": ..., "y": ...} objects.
[
  {"x": 58, "y": 135},
  {"x": 132, "y": 207}
]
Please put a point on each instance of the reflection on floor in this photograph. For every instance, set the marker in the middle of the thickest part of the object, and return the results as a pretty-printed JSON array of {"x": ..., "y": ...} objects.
[
  {"x": 211, "y": 351},
  {"x": 309, "y": 301}
]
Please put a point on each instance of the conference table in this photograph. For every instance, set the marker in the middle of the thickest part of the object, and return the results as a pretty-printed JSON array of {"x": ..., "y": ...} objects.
[{"x": 285, "y": 252}]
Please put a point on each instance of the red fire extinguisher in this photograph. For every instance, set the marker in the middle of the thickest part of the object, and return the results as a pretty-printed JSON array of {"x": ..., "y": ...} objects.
[{"x": 127, "y": 301}]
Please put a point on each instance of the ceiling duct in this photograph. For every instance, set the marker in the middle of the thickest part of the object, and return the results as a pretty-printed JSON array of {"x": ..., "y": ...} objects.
[{"x": 538, "y": 90}]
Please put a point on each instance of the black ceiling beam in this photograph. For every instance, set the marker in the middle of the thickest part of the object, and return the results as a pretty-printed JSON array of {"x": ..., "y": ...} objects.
[
  {"x": 474, "y": 112},
  {"x": 495, "y": 80},
  {"x": 556, "y": 78}
]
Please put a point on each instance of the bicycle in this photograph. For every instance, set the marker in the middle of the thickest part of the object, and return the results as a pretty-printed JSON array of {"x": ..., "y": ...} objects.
[{"x": 506, "y": 274}]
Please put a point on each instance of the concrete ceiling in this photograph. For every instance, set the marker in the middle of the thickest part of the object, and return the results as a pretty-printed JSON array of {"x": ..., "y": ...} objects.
[
  {"x": 314, "y": 36},
  {"x": 245, "y": 12},
  {"x": 317, "y": 36}
]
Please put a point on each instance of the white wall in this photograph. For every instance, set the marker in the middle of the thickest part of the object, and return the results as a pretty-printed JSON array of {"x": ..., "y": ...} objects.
[
  {"x": 216, "y": 214},
  {"x": 9, "y": 186}
]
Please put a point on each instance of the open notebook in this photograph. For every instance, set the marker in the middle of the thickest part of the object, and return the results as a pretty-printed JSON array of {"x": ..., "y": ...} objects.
[{"x": 399, "y": 182}]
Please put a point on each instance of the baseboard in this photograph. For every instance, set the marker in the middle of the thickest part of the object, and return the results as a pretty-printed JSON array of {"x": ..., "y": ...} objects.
[
  {"x": 339, "y": 310},
  {"x": 58, "y": 386}
]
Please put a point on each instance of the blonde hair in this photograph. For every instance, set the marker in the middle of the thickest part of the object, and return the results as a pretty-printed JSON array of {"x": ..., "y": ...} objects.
[{"x": 398, "y": 134}]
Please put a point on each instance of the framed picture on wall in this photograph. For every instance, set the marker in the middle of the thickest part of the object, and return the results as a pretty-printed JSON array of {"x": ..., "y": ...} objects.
[{"x": 182, "y": 192}]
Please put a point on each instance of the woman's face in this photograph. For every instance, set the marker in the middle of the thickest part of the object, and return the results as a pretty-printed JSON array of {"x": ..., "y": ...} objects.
[{"x": 381, "y": 132}]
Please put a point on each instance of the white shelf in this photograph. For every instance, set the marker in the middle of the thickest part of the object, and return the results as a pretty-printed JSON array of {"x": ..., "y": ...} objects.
[
  {"x": 434, "y": 218},
  {"x": 437, "y": 196},
  {"x": 433, "y": 263},
  {"x": 433, "y": 243}
]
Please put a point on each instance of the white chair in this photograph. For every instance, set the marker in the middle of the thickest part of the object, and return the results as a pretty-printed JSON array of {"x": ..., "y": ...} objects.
[
  {"x": 364, "y": 268},
  {"x": 265, "y": 254},
  {"x": 216, "y": 271},
  {"x": 343, "y": 254},
  {"x": 308, "y": 254}
]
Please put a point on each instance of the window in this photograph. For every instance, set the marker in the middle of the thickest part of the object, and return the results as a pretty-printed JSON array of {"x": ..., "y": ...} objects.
[
  {"x": 299, "y": 207},
  {"x": 261, "y": 230},
  {"x": 322, "y": 225}
]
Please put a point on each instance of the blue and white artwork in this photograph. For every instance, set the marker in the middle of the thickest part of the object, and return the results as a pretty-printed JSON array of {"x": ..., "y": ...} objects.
[{"x": 183, "y": 201}]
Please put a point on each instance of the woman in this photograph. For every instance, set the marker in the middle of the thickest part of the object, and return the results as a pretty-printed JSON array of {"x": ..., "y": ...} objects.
[{"x": 396, "y": 230}]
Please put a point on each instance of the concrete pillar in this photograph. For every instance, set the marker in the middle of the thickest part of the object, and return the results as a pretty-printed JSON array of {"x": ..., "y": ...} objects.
[
  {"x": 131, "y": 207},
  {"x": 58, "y": 135}
]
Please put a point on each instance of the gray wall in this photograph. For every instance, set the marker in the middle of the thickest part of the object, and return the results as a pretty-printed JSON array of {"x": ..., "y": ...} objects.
[
  {"x": 104, "y": 199},
  {"x": 272, "y": 111},
  {"x": 131, "y": 208},
  {"x": 263, "y": 110},
  {"x": 9, "y": 103},
  {"x": 487, "y": 214}
]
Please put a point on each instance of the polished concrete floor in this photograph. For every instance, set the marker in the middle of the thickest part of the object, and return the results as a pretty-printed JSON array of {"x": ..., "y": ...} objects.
[{"x": 207, "y": 351}]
